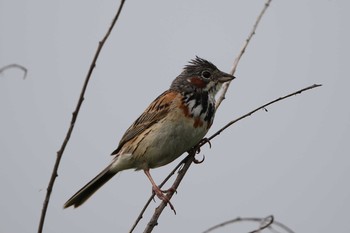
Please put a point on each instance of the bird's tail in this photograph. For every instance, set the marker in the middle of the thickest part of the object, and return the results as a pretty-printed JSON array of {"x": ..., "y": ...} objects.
[{"x": 90, "y": 188}]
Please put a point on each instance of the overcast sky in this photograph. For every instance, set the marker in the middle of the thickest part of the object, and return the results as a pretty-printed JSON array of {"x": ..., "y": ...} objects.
[{"x": 292, "y": 161}]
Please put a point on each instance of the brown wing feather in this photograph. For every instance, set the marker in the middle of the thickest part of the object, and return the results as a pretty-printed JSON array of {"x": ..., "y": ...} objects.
[{"x": 153, "y": 114}]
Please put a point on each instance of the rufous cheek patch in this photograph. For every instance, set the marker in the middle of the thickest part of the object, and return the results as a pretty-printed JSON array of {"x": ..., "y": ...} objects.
[{"x": 198, "y": 82}]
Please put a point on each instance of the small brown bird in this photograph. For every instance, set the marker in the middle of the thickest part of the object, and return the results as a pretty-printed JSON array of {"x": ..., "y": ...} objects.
[{"x": 171, "y": 125}]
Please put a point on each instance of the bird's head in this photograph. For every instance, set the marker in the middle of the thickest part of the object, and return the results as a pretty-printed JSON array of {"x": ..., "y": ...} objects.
[{"x": 200, "y": 76}]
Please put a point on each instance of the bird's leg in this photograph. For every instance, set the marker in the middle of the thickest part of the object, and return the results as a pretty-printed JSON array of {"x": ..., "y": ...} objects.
[{"x": 158, "y": 191}]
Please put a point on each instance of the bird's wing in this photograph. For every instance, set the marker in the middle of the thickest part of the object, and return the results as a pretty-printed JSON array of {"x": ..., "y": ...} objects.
[{"x": 155, "y": 112}]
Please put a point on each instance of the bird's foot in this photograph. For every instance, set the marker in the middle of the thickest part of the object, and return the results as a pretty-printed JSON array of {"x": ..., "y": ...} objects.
[
  {"x": 205, "y": 140},
  {"x": 201, "y": 143},
  {"x": 198, "y": 150},
  {"x": 160, "y": 194}
]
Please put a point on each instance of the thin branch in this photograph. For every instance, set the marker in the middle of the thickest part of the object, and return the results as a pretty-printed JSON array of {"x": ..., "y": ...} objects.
[
  {"x": 238, "y": 58},
  {"x": 264, "y": 223},
  {"x": 74, "y": 117},
  {"x": 16, "y": 66},
  {"x": 282, "y": 226},
  {"x": 269, "y": 224},
  {"x": 257, "y": 109}
]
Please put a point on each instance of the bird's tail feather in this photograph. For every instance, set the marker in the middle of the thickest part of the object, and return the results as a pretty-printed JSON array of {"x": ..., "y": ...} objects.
[{"x": 90, "y": 188}]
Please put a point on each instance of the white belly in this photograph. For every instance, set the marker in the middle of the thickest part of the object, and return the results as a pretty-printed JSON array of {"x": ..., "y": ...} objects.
[{"x": 167, "y": 140}]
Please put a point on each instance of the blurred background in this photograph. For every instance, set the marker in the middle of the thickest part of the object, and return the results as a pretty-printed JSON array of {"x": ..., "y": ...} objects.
[{"x": 292, "y": 161}]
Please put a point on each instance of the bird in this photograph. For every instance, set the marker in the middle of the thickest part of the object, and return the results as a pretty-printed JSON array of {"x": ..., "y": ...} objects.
[{"x": 171, "y": 125}]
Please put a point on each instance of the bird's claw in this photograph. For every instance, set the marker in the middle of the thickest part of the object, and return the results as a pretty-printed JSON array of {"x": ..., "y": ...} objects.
[
  {"x": 196, "y": 161},
  {"x": 206, "y": 140},
  {"x": 201, "y": 143}
]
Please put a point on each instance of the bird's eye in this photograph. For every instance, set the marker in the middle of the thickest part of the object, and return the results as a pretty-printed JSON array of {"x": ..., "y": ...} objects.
[{"x": 206, "y": 74}]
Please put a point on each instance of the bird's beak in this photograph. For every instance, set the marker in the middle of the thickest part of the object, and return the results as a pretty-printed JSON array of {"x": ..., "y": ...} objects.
[{"x": 225, "y": 77}]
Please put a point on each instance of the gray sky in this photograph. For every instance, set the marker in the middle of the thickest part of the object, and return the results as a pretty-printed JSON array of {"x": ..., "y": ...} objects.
[{"x": 292, "y": 161}]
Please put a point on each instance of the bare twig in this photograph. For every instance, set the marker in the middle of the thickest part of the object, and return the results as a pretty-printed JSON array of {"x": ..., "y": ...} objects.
[
  {"x": 257, "y": 109},
  {"x": 264, "y": 223},
  {"x": 16, "y": 66},
  {"x": 74, "y": 117},
  {"x": 238, "y": 58},
  {"x": 268, "y": 222}
]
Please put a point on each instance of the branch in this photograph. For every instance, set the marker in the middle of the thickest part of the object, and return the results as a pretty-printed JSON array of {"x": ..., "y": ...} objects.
[
  {"x": 257, "y": 109},
  {"x": 74, "y": 117},
  {"x": 238, "y": 58},
  {"x": 267, "y": 222},
  {"x": 25, "y": 71}
]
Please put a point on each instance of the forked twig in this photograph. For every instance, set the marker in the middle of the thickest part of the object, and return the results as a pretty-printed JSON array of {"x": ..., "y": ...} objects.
[
  {"x": 268, "y": 222},
  {"x": 74, "y": 117},
  {"x": 264, "y": 223},
  {"x": 25, "y": 71}
]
